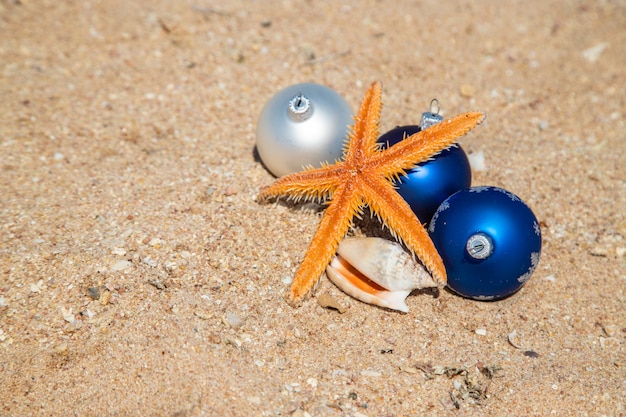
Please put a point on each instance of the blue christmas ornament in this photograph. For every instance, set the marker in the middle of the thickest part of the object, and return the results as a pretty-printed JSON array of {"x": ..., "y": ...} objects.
[
  {"x": 430, "y": 183},
  {"x": 489, "y": 241}
]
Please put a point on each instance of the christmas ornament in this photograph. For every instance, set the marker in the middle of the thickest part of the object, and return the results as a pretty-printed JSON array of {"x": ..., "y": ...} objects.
[
  {"x": 489, "y": 241},
  {"x": 426, "y": 186},
  {"x": 302, "y": 125}
]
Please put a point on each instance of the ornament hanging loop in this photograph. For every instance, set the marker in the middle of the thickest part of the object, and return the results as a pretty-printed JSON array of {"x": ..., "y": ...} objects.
[
  {"x": 435, "y": 107},
  {"x": 431, "y": 117}
]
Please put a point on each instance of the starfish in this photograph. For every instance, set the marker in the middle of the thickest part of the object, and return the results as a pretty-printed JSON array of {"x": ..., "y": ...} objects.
[{"x": 364, "y": 177}]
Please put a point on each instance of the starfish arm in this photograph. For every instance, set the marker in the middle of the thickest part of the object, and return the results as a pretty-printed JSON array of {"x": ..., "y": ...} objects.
[
  {"x": 373, "y": 117},
  {"x": 364, "y": 133},
  {"x": 396, "y": 214},
  {"x": 423, "y": 145},
  {"x": 314, "y": 184},
  {"x": 333, "y": 227}
]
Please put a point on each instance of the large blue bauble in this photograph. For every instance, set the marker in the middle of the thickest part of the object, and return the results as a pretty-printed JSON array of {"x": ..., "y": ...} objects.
[
  {"x": 430, "y": 183},
  {"x": 504, "y": 242}
]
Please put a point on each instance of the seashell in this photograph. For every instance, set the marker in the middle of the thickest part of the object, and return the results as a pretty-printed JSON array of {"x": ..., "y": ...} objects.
[{"x": 377, "y": 271}]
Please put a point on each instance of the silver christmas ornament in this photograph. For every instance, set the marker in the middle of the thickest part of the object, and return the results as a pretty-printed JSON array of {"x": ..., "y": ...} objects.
[{"x": 303, "y": 124}]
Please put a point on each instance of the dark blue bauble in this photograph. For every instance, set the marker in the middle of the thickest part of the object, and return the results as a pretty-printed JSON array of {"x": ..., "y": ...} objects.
[
  {"x": 489, "y": 241},
  {"x": 430, "y": 183}
]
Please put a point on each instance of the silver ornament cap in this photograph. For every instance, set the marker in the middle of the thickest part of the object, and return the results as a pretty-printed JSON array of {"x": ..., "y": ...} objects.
[
  {"x": 303, "y": 124},
  {"x": 432, "y": 117}
]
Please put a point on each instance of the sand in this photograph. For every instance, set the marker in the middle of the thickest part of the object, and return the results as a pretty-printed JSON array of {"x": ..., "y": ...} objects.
[{"x": 141, "y": 276}]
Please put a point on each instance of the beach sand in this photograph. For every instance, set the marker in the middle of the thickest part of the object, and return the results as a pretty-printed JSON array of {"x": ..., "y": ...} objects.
[{"x": 141, "y": 276}]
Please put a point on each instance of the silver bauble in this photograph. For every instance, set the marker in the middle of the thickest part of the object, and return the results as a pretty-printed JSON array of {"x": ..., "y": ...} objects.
[{"x": 303, "y": 124}]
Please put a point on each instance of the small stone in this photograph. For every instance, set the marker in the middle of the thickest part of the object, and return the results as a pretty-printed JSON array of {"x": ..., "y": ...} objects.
[
  {"x": 254, "y": 400},
  {"x": 620, "y": 251},
  {"x": 467, "y": 90},
  {"x": 67, "y": 314},
  {"x": 550, "y": 278},
  {"x": 599, "y": 251},
  {"x": 610, "y": 329},
  {"x": 326, "y": 300},
  {"x": 170, "y": 266},
  {"x": 105, "y": 297},
  {"x": 156, "y": 243},
  {"x": 62, "y": 349},
  {"x": 339, "y": 373},
  {"x": 233, "y": 320},
  {"x": 531, "y": 354},
  {"x": 118, "y": 251},
  {"x": 543, "y": 125},
  {"x": 439, "y": 370},
  {"x": 157, "y": 284},
  {"x": 121, "y": 265},
  {"x": 298, "y": 334},
  {"x": 593, "y": 54},
  {"x": 3, "y": 302},
  {"x": 149, "y": 261},
  {"x": 477, "y": 161},
  {"x": 201, "y": 314},
  {"x": 481, "y": 332},
  {"x": 312, "y": 382},
  {"x": 371, "y": 373},
  {"x": 95, "y": 292},
  {"x": 36, "y": 287}
]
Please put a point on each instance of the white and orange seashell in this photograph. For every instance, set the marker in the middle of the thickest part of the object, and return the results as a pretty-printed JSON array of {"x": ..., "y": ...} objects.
[{"x": 377, "y": 271}]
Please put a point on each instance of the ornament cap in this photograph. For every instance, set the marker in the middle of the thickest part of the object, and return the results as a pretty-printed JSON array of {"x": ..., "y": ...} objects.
[
  {"x": 431, "y": 117},
  {"x": 479, "y": 246},
  {"x": 300, "y": 108}
]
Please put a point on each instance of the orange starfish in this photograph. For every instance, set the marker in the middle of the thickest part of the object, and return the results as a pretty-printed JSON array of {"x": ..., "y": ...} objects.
[{"x": 365, "y": 177}]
